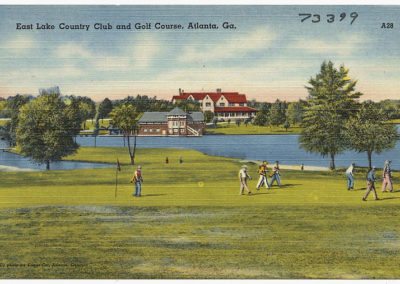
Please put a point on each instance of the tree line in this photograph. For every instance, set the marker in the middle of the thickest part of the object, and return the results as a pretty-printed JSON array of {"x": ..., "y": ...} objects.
[{"x": 332, "y": 118}]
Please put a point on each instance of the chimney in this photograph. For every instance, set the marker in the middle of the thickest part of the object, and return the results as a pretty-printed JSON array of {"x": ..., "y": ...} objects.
[
  {"x": 219, "y": 90},
  {"x": 180, "y": 91}
]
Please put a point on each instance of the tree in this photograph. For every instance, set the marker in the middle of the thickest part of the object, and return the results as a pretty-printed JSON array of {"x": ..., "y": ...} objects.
[
  {"x": 3, "y": 104},
  {"x": 215, "y": 121},
  {"x": 277, "y": 114},
  {"x": 208, "y": 116},
  {"x": 12, "y": 108},
  {"x": 286, "y": 125},
  {"x": 368, "y": 131},
  {"x": 104, "y": 108},
  {"x": 261, "y": 119},
  {"x": 294, "y": 112},
  {"x": 46, "y": 131},
  {"x": 86, "y": 107},
  {"x": 332, "y": 101},
  {"x": 125, "y": 117}
]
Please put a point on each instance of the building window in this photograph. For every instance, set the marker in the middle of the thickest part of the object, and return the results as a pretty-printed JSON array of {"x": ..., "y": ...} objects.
[
  {"x": 222, "y": 104},
  {"x": 241, "y": 104},
  {"x": 231, "y": 104},
  {"x": 182, "y": 123},
  {"x": 208, "y": 104},
  {"x": 182, "y": 131},
  {"x": 151, "y": 130},
  {"x": 145, "y": 130},
  {"x": 158, "y": 130}
]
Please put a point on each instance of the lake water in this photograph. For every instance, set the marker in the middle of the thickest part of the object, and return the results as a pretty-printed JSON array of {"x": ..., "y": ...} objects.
[
  {"x": 17, "y": 161},
  {"x": 284, "y": 148}
]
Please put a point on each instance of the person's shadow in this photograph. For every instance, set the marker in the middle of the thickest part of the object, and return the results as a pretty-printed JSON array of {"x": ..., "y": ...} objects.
[
  {"x": 286, "y": 185},
  {"x": 149, "y": 195},
  {"x": 390, "y": 197}
]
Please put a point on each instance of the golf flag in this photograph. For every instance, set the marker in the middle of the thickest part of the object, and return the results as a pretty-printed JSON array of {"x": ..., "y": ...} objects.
[
  {"x": 118, "y": 165},
  {"x": 116, "y": 177}
]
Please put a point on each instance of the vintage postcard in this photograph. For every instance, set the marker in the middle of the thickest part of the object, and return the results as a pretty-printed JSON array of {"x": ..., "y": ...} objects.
[{"x": 199, "y": 142}]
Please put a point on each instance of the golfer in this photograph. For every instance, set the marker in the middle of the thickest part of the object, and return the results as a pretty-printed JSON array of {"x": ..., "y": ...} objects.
[
  {"x": 350, "y": 176},
  {"x": 371, "y": 184},
  {"x": 263, "y": 180},
  {"x": 137, "y": 179},
  {"x": 387, "y": 177},
  {"x": 243, "y": 177},
  {"x": 276, "y": 176}
]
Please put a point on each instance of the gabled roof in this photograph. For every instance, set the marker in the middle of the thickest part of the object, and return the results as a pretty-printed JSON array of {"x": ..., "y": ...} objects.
[
  {"x": 177, "y": 111},
  {"x": 154, "y": 117},
  {"x": 196, "y": 116},
  {"x": 231, "y": 97}
]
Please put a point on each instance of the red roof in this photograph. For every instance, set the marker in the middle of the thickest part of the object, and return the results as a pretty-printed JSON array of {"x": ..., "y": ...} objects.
[
  {"x": 231, "y": 97},
  {"x": 235, "y": 109}
]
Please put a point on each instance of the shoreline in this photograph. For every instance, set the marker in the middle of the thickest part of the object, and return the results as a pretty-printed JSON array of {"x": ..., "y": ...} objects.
[
  {"x": 290, "y": 167},
  {"x": 15, "y": 169}
]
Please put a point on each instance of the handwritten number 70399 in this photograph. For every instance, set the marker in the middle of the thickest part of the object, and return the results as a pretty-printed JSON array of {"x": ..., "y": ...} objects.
[{"x": 330, "y": 18}]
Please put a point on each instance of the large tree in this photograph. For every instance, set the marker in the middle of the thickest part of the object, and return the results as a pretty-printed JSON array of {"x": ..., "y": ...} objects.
[
  {"x": 332, "y": 101},
  {"x": 46, "y": 129},
  {"x": 125, "y": 117},
  {"x": 11, "y": 110},
  {"x": 294, "y": 112},
  {"x": 369, "y": 131},
  {"x": 277, "y": 114},
  {"x": 262, "y": 115},
  {"x": 104, "y": 108}
]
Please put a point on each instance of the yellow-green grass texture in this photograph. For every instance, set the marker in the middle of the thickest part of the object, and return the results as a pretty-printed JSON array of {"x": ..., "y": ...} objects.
[
  {"x": 3, "y": 121},
  {"x": 89, "y": 125},
  {"x": 191, "y": 222},
  {"x": 232, "y": 128}
]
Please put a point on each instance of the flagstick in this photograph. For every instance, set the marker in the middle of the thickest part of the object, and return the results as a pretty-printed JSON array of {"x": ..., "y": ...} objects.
[{"x": 116, "y": 183}]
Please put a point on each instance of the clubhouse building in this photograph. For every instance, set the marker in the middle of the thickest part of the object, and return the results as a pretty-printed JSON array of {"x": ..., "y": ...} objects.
[
  {"x": 224, "y": 105},
  {"x": 173, "y": 123}
]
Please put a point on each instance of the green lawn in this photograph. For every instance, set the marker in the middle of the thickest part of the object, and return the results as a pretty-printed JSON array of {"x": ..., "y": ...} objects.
[
  {"x": 232, "y": 128},
  {"x": 192, "y": 223},
  {"x": 3, "y": 121},
  {"x": 395, "y": 121},
  {"x": 89, "y": 125}
]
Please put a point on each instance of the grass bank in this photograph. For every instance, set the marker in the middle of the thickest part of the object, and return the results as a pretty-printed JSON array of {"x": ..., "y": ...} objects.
[
  {"x": 192, "y": 223},
  {"x": 232, "y": 128}
]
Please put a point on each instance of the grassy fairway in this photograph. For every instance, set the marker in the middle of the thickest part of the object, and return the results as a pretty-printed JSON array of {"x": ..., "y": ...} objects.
[
  {"x": 232, "y": 128},
  {"x": 191, "y": 223}
]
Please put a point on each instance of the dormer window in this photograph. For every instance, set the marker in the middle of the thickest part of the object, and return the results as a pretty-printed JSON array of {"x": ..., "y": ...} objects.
[{"x": 222, "y": 104}]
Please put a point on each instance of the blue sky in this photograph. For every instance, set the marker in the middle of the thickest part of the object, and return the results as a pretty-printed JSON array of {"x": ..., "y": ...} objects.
[{"x": 269, "y": 55}]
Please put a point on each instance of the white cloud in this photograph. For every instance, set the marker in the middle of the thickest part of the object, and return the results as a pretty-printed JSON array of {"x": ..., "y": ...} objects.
[
  {"x": 144, "y": 49},
  {"x": 232, "y": 47},
  {"x": 72, "y": 50},
  {"x": 342, "y": 46},
  {"x": 19, "y": 45}
]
